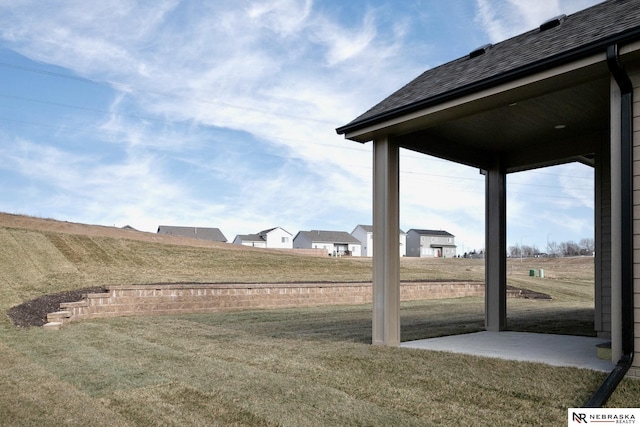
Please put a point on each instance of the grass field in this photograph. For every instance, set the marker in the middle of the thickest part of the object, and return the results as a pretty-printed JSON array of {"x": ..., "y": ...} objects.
[{"x": 290, "y": 367}]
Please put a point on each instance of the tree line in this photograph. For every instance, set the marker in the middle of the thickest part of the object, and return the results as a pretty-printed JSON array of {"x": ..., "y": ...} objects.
[{"x": 586, "y": 247}]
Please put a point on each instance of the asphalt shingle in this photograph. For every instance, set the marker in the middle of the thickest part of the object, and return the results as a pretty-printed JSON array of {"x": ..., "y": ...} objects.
[{"x": 580, "y": 34}]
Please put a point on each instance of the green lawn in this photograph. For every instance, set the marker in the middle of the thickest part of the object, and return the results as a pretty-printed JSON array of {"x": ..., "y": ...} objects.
[{"x": 289, "y": 367}]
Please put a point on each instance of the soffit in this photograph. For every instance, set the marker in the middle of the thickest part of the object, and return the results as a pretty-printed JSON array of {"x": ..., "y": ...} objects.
[{"x": 518, "y": 121}]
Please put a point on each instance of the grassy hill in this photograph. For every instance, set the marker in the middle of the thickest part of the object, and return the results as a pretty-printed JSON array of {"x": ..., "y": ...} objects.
[
  {"x": 41, "y": 256},
  {"x": 47, "y": 256},
  {"x": 308, "y": 366}
]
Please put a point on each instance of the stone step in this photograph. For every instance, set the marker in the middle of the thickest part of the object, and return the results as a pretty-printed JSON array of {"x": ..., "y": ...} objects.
[
  {"x": 75, "y": 304},
  {"x": 99, "y": 295},
  {"x": 58, "y": 316},
  {"x": 54, "y": 326}
]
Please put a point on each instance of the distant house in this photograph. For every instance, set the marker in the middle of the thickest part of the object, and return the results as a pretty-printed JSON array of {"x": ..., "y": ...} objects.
[
  {"x": 335, "y": 242},
  {"x": 203, "y": 233},
  {"x": 253, "y": 240},
  {"x": 275, "y": 238},
  {"x": 430, "y": 244},
  {"x": 364, "y": 234}
]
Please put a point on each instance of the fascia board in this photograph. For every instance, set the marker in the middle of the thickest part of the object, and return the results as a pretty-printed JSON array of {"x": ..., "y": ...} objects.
[{"x": 500, "y": 94}]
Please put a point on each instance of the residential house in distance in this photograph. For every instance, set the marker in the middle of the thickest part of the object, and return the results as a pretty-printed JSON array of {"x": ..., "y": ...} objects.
[
  {"x": 430, "y": 244},
  {"x": 336, "y": 243},
  {"x": 203, "y": 233},
  {"x": 364, "y": 233},
  {"x": 273, "y": 238}
]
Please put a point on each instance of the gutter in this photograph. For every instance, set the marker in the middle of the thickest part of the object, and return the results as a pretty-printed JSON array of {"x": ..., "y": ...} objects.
[{"x": 610, "y": 383}]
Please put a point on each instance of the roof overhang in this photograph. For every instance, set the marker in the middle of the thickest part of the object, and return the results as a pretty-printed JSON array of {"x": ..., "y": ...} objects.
[{"x": 554, "y": 115}]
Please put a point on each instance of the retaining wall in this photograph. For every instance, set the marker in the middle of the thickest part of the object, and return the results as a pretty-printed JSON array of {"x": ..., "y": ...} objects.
[{"x": 134, "y": 300}]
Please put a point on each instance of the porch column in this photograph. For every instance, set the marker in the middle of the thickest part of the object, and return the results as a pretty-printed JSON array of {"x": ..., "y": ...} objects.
[
  {"x": 386, "y": 256},
  {"x": 603, "y": 261},
  {"x": 495, "y": 248}
]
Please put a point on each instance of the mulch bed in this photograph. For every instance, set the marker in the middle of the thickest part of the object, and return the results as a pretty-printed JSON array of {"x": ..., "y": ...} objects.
[{"x": 34, "y": 312}]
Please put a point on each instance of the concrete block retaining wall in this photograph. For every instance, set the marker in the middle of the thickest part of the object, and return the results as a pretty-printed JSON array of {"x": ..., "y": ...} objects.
[{"x": 134, "y": 300}]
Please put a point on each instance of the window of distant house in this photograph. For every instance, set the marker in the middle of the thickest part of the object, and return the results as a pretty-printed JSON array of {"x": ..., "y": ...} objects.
[{"x": 285, "y": 240}]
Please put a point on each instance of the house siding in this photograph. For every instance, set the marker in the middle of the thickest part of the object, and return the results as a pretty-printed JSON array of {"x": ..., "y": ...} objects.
[
  {"x": 421, "y": 244},
  {"x": 278, "y": 238},
  {"x": 634, "y": 74},
  {"x": 254, "y": 244},
  {"x": 366, "y": 240},
  {"x": 364, "y": 233},
  {"x": 345, "y": 241}
]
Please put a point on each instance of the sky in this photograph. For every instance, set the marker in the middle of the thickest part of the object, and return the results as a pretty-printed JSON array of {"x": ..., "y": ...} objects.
[{"x": 223, "y": 114}]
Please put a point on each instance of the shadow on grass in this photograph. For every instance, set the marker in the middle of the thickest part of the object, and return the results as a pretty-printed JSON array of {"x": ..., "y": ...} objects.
[
  {"x": 419, "y": 320},
  {"x": 561, "y": 321}
]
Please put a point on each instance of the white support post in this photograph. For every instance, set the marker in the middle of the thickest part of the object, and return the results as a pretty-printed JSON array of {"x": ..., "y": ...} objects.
[
  {"x": 386, "y": 257},
  {"x": 496, "y": 249}
]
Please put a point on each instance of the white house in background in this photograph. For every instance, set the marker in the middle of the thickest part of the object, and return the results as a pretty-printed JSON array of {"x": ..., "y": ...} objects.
[
  {"x": 335, "y": 242},
  {"x": 430, "y": 244},
  {"x": 273, "y": 238},
  {"x": 364, "y": 233}
]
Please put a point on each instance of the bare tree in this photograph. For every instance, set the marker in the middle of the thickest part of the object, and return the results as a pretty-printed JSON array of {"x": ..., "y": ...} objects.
[
  {"x": 587, "y": 246},
  {"x": 553, "y": 249},
  {"x": 515, "y": 251},
  {"x": 529, "y": 251},
  {"x": 570, "y": 248}
]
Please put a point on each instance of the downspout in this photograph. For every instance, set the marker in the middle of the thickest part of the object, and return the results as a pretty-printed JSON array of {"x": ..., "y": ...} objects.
[{"x": 623, "y": 81}]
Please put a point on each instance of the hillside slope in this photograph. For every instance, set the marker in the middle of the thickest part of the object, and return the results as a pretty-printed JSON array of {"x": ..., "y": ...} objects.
[
  {"x": 42, "y": 256},
  {"x": 45, "y": 224},
  {"x": 45, "y": 256}
]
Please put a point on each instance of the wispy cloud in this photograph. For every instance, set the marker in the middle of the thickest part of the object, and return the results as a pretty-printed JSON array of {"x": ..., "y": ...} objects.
[
  {"x": 223, "y": 113},
  {"x": 503, "y": 19}
]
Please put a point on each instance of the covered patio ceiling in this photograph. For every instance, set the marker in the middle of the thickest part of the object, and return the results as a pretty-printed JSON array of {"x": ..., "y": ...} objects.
[{"x": 539, "y": 121}]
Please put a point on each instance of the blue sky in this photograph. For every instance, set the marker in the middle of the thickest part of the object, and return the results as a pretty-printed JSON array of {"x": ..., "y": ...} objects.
[{"x": 223, "y": 114}]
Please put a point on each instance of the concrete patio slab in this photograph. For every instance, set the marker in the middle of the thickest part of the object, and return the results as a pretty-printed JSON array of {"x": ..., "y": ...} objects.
[{"x": 556, "y": 350}]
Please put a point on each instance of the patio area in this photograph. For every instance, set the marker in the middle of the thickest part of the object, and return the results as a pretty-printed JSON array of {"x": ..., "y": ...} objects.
[{"x": 556, "y": 350}]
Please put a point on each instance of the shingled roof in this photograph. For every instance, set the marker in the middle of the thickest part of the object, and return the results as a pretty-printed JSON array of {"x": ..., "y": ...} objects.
[
  {"x": 251, "y": 237},
  {"x": 578, "y": 35},
  {"x": 432, "y": 232},
  {"x": 203, "y": 233},
  {"x": 369, "y": 228},
  {"x": 329, "y": 236}
]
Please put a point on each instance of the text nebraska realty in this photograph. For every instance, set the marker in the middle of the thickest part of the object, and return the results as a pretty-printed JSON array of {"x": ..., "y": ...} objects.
[{"x": 600, "y": 418}]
